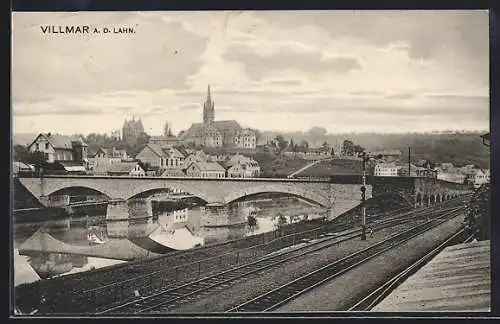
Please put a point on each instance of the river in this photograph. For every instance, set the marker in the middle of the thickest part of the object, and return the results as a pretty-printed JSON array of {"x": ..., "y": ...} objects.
[{"x": 169, "y": 230}]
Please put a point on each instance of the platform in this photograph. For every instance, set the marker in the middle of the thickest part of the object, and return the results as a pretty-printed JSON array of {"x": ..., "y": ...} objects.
[{"x": 458, "y": 280}]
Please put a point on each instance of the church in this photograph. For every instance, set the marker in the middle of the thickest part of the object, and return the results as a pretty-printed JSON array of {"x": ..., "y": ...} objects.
[{"x": 222, "y": 133}]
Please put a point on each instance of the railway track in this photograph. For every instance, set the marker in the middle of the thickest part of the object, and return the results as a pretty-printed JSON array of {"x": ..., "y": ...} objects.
[
  {"x": 115, "y": 291},
  {"x": 281, "y": 295},
  {"x": 168, "y": 298},
  {"x": 375, "y": 297},
  {"x": 140, "y": 282}
]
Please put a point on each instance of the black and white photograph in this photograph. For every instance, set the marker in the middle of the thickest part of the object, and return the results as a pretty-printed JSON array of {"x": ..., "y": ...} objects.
[{"x": 246, "y": 162}]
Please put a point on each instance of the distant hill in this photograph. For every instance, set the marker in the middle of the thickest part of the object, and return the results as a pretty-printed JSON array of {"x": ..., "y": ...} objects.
[{"x": 457, "y": 148}]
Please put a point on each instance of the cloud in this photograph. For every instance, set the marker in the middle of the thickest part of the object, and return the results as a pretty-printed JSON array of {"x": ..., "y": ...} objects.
[
  {"x": 458, "y": 97},
  {"x": 286, "y": 82},
  {"x": 258, "y": 67},
  {"x": 270, "y": 70},
  {"x": 400, "y": 96},
  {"x": 189, "y": 106},
  {"x": 70, "y": 64}
]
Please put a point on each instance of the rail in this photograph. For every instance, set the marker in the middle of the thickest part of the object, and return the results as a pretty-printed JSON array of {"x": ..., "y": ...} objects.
[
  {"x": 283, "y": 294},
  {"x": 69, "y": 289},
  {"x": 168, "y": 298},
  {"x": 372, "y": 299}
]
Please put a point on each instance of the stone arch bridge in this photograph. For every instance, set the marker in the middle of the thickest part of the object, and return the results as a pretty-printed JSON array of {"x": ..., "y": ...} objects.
[
  {"x": 217, "y": 193},
  {"x": 336, "y": 194},
  {"x": 419, "y": 192}
]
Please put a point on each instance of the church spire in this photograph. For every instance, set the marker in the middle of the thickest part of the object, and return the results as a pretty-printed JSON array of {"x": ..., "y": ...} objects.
[{"x": 208, "y": 108}]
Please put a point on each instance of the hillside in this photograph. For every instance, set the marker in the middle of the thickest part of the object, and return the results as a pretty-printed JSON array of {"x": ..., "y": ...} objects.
[{"x": 457, "y": 148}]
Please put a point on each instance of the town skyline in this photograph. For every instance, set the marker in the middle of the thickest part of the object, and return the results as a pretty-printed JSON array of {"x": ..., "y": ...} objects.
[{"x": 343, "y": 71}]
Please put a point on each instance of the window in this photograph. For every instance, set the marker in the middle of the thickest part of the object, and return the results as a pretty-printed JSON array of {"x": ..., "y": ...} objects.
[
  {"x": 37, "y": 146},
  {"x": 46, "y": 156},
  {"x": 46, "y": 146}
]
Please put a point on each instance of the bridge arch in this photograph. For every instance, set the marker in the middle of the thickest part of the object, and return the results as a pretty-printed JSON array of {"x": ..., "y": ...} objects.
[
  {"x": 432, "y": 199},
  {"x": 177, "y": 185},
  {"x": 425, "y": 201},
  {"x": 276, "y": 188},
  {"x": 103, "y": 191},
  {"x": 419, "y": 200}
]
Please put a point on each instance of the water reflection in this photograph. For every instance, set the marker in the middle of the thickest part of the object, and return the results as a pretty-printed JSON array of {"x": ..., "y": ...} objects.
[{"x": 82, "y": 243}]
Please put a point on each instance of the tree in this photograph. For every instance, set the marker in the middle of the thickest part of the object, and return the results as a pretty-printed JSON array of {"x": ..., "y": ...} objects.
[
  {"x": 37, "y": 159},
  {"x": 303, "y": 146},
  {"x": 20, "y": 153},
  {"x": 258, "y": 134},
  {"x": 348, "y": 148},
  {"x": 317, "y": 131},
  {"x": 358, "y": 149},
  {"x": 280, "y": 142},
  {"x": 146, "y": 166},
  {"x": 252, "y": 222}
]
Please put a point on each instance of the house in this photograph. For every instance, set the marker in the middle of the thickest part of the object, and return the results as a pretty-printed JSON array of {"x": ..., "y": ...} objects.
[
  {"x": 60, "y": 148},
  {"x": 197, "y": 156},
  {"x": 126, "y": 169},
  {"x": 246, "y": 138},
  {"x": 65, "y": 167},
  {"x": 388, "y": 155},
  {"x": 478, "y": 177},
  {"x": 450, "y": 176},
  {"x": 162, "y": 157},
  {"x": 164, "y": 141},
  {"x": 386, "y": 170},
  {"x": 240, "y": 166},
  {"x": 416, "y": 171},
  {"x": 101, "y": 160},
  {"x": 205, "y": 170},
  {"x": 174, "y": 173}
]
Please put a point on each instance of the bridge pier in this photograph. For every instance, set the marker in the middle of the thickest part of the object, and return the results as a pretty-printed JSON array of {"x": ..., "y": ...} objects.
[
  {"x": 128, "y": 218},
  {"x": 222, "y": 222}
]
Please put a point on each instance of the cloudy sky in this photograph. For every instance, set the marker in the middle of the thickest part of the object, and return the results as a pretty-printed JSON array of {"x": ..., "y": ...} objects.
[{"x": 342, "y": 70}]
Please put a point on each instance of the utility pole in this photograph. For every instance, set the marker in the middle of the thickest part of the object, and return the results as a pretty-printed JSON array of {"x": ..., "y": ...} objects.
[
  {"x": 409, "y": 163},
  {"x": 363, "y": 208}
]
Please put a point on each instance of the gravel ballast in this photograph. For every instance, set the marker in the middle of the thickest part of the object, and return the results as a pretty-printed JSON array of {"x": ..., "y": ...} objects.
[
  {"x": 344, "y": 291},
  {"x": 221, "y": 299}
]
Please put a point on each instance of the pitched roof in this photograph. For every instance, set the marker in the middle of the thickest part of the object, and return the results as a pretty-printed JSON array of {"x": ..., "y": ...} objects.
[
  {"x": 60, "y": 141},
  {"x": 197, "y": 129},
  {"x": 122, "y": 167},
  {"x": 227, "y": 125},
  {"x": 172, "y": 152},
  {"x": 209, "y": 166},
  {"x": 194, "y": 131},
  {"x": 173, "y": 173},
  {"x": 71, "y": 166}
]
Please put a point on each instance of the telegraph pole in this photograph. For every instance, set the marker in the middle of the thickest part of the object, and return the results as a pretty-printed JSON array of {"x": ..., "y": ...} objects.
[
  {"x": 363, "y": 208},
  {"x": 409, "y": 163}
]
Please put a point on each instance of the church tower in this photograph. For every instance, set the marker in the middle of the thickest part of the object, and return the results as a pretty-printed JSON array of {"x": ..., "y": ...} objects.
[{"x": 208, "y": 109}]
